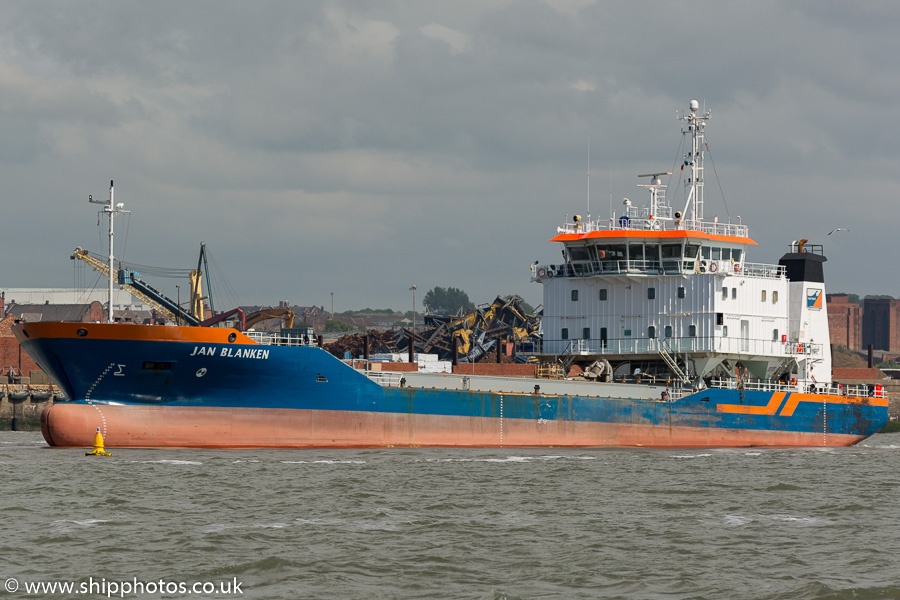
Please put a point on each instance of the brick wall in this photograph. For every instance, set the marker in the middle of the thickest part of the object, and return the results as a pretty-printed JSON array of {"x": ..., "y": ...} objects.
[
  {"x": 844, "y": 321},
  {"x": 881, "y": 324},
  {"x": 500, "y": 369}
]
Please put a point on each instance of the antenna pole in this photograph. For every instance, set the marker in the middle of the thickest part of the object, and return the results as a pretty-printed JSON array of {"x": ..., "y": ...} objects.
[
  {"x": 112, "y": 210},
  {"x": 589, "y": 182},
  {"x": 112, "y": 213},
  {"x": 696, "y": 124}
]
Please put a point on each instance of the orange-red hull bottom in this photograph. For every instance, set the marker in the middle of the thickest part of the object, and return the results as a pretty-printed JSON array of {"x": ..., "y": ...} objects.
[{"x": 74, "y": 425}]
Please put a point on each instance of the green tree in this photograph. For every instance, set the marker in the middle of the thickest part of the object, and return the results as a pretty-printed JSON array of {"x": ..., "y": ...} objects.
[
  {"x": 524, "y": 305},
  {"x": 446, "y": 301},
  {"x": 338, "y": 325}
]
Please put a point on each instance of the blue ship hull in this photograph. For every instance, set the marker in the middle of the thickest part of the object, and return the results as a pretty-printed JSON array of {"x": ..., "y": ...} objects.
[{"x": 186, "y": 386}]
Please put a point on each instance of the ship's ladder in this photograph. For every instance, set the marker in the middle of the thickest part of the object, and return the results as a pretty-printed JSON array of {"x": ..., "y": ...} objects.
[
  {"x": 665, "y": 352},
  {"x": 566, "y": 359}
]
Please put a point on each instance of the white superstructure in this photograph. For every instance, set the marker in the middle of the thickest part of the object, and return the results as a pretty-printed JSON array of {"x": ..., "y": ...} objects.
[{"x": 662, "y": 292}]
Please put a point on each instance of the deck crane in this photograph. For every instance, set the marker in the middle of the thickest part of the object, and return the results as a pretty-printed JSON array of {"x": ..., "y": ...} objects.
[{"x": 131, "y": 282}]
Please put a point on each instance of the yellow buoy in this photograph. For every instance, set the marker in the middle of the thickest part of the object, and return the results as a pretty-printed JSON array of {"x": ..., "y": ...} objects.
[{"x": 98, "y": 446}]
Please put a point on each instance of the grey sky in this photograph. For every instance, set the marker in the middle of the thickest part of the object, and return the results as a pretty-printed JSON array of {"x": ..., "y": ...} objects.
[{"x": 361, "y": 147}]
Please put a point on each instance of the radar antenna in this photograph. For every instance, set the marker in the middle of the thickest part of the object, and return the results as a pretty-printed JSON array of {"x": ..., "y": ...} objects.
[{"x": 657, "y": 193}]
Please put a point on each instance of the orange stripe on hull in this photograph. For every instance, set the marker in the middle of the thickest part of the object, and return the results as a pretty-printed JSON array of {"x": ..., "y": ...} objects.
[
  {"x": 74, "y": 425},
  {"x": 795, "y": 399},
  {"x": 127, "y": 331},
  {"x": 769, "y": 409}
]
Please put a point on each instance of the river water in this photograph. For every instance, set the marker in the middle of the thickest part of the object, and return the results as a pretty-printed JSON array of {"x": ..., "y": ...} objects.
[{"x": 433, "y": 523}]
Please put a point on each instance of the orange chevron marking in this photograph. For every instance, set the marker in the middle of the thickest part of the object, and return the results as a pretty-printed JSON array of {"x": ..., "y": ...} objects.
[
  {"x": 795, "y": 399},
  {"x": 742, "y": 409}
]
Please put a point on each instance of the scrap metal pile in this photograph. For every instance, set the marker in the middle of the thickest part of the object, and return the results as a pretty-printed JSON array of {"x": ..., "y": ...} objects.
[
  {"x": 356, "y": 344},
  {"x": 476, "y": 333}
]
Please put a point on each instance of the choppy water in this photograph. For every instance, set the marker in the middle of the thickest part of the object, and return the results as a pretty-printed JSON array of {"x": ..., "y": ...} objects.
[{"x": 482, "y": 524}]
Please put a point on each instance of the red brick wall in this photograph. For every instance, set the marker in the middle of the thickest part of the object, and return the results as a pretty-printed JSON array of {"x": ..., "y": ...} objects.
[
  {"x": 9, "y": 356},
  {"x": 501, "y": 369},
  {"x": 392, "y": 366},
  {"x": 881, "y": 324},
  {"x": 844, "y": 321}
]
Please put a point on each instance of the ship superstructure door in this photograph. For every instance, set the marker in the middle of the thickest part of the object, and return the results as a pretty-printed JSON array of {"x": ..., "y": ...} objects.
[{"x": 745, "y": 336}]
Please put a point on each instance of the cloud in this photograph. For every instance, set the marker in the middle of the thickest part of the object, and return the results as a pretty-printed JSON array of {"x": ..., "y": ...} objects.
[{"x": 361, "y": 147}]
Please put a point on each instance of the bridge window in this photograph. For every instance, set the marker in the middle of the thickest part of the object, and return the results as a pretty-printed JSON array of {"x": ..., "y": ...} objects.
[
  {"x": 579, "y": 253},
  {"x": 726, "y": 253},
  {"x": 716, "y": 253},
  {"x": 671, "y": 251},
  {"x": 615, "y": 252},
  {"x": 704, "y": 252},
  {"x": 690, "y": 251},
  {"x": 635, "y": 252},
  {"x": 736, "y": 254}
]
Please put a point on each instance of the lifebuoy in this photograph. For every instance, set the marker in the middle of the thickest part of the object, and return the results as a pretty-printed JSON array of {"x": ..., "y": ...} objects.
[
  {"x": 713, "y": 267},
  {"x": 541, "y": 273},
  {"x": 737, "y": 267}
]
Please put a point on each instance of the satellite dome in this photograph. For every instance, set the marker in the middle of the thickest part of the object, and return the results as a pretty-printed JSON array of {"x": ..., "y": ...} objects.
[{"x": 695, "y": 105}]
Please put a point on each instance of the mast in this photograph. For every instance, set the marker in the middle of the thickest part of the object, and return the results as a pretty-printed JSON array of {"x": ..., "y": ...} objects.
[
  {"x": 696, "y": 124},
  {"x": 111, "y": 209}
]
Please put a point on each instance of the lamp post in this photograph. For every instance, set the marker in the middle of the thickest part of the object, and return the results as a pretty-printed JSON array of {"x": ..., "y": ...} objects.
[
  {"x": 178, "y": 312},
  {"x": 413, "y": 290},
  {"x": 332, "y": 306}
]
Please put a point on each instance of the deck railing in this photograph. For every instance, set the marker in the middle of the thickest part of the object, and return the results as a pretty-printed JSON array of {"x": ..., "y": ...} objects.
[{"x": 658, "y": 267}]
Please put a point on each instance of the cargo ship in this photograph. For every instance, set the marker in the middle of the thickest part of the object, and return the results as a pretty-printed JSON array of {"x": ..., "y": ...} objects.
[{"x": 679, "y": 341}]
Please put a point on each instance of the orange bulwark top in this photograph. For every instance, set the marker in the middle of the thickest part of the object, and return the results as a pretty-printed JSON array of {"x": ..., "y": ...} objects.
[
  {"x": 660, "y": 235},
  {"x": 126, "y": 331}
]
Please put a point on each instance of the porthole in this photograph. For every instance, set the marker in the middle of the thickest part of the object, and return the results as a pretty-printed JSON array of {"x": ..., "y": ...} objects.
[
  {"x": 81, "y": 332},
  {"x": 232, "y": 336}
]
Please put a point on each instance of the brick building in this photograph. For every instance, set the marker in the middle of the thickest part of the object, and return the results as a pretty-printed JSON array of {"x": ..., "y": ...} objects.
[
  {"x": 844, "y": 321},
  {"x": 12, "y": 357},
  {"x": 881, "y": 324}
]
